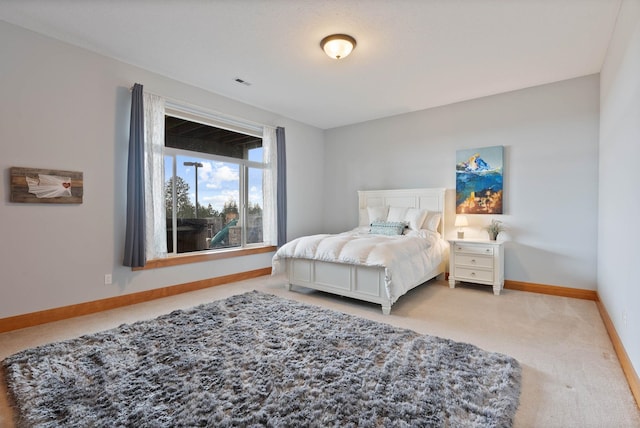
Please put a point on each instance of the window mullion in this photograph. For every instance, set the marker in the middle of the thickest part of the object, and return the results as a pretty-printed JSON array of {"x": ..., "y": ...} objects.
[
  {"x": 243, "y": 204},
  {"x": 174, "y": 210}
]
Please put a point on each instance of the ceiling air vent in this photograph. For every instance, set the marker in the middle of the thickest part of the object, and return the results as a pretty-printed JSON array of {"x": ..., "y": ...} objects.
[{"x": 242, "y": 81}]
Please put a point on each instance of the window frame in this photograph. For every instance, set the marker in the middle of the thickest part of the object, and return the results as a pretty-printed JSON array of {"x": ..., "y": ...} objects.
[{"x": 231, "y": 124}]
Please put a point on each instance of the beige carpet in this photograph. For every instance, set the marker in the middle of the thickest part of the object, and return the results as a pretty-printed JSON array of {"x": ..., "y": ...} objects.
[{"x": 571, "y": 376}]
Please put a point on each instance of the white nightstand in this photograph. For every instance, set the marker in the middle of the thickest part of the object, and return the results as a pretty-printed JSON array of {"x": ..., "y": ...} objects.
[{"x": 477, "y": 260}]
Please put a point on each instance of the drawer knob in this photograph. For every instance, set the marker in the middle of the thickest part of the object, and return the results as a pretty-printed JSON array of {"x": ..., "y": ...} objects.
[
  {"x": 473, "y": 274},
  {"x": 473, "y": 260},
  {"x": 488, "y": 250}
]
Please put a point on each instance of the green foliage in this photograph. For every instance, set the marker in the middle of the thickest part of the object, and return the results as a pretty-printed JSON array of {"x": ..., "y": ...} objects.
[
  {"x": 254, "y": 209},
  {"x": 184, "y": 207},
  {"x": 230, "y": 207},
  {"x": 494, "y": 228},
  {"x": 206, "y": 212}
]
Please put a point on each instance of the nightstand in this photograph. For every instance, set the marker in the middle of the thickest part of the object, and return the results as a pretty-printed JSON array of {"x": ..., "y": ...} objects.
[{"x": 477, "y": 260}]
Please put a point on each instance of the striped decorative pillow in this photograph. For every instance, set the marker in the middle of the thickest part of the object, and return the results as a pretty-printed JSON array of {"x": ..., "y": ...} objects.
[{"x": 387, "y": 227}]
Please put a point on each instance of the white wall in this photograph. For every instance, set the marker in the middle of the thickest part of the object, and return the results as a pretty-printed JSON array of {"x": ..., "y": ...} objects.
[
  {"x": 66, "y": 108},
  {"x": 550, "y": 136},
  {"x": 619, "y": 233}
]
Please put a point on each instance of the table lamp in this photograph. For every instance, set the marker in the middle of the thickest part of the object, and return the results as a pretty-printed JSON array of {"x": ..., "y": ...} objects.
[{"x": 461, "y": 222}]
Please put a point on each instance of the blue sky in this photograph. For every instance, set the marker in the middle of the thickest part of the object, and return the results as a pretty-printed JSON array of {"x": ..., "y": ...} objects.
[{"x": 218, "y": 182}]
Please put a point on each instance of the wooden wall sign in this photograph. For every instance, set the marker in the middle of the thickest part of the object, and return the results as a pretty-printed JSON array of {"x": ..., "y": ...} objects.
[{"x": 45, "y": 186}]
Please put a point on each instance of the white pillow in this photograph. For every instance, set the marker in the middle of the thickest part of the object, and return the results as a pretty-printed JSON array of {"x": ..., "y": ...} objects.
[
  {"x": 432, "y": 221},
  {"x": 364, "y": 217},
  {"x": 378, "y": 213},
  {"x": 397, "y": 214},
  {"x": 415, "y": 218}
]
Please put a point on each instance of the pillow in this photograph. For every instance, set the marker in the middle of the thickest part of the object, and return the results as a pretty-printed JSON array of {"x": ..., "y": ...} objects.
[
  {"x": 432, "y": 221},
  {"x": 432, "y": 237},
  {"x": 415, "y": 218},
  {"x": 364, "y": 217},
  {"x": 397, "y": 214},
  {"x": 378, "y": 213},
  {"x": 387, "y": 227}
]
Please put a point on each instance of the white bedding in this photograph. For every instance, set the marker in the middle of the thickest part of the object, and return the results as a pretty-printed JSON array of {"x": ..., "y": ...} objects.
[{"x": 407, "y": 259}]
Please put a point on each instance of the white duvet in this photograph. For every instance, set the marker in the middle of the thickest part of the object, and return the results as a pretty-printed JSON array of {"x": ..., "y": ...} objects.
[{"x": 407, "y": 259}]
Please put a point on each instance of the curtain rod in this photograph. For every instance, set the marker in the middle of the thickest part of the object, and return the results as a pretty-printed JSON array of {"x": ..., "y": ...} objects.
[{"x": 177, "y": 103}]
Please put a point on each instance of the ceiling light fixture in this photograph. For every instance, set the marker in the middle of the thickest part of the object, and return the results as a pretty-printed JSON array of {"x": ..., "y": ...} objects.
[{"x": 338, "y": 46}]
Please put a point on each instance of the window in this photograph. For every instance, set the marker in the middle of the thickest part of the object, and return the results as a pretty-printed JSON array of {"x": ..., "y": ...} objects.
[{"x": 214, "y": 178}]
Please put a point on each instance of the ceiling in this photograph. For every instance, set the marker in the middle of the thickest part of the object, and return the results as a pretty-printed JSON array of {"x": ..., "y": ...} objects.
[{"x": 411, "y": 54}]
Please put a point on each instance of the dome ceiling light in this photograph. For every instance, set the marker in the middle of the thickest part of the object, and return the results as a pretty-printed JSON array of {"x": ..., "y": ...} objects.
[{"x": 338, "y": 46}]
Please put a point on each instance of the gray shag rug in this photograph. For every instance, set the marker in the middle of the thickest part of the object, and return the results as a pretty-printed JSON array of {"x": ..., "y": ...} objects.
[{"x": 259, "y": 360}]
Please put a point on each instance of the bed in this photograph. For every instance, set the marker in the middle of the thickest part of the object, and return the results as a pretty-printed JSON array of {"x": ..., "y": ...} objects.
[{"x": 372, "y": 262}]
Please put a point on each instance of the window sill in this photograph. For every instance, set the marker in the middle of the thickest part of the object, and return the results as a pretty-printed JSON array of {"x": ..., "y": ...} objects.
[{"x": 183, "y": 259}]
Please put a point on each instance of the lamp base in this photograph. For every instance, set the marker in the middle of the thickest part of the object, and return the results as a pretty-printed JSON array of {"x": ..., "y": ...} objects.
[{"x": 460, "y": 235}]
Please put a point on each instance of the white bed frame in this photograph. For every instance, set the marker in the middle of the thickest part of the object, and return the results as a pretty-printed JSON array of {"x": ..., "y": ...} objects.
[{"x": 366, "y": 282}]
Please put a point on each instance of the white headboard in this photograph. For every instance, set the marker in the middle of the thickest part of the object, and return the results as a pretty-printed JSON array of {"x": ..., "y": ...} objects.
[{"x": 429, "y": 199}]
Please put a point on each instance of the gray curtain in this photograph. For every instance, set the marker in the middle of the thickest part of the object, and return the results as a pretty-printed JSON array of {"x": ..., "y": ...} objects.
[
  {"x": 134, "y": 246},
  {"x": 281, "y": 205}
]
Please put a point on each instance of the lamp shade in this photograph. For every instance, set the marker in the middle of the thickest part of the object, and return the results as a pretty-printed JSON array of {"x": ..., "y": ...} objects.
[
  {"x": 338, "y": 46},
  {"x": 461, "y": 221}
]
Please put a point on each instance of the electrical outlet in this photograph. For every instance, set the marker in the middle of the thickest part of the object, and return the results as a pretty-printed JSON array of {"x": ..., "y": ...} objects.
[{"x": 108, "y": 279}]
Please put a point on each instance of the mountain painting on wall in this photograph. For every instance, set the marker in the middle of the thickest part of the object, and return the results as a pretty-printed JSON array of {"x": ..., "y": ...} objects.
[{"x": 479, "y": 180}]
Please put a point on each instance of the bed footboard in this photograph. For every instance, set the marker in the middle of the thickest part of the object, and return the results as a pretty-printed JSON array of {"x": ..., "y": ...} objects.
[{"x": 358, "y": 282}]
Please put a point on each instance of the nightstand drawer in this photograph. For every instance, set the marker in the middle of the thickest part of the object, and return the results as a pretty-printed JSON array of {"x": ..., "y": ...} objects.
[
  {"x": 473, "y": 275},
  {"x": 473, "y": 249},
  {"x": 480, "y": 261}
]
